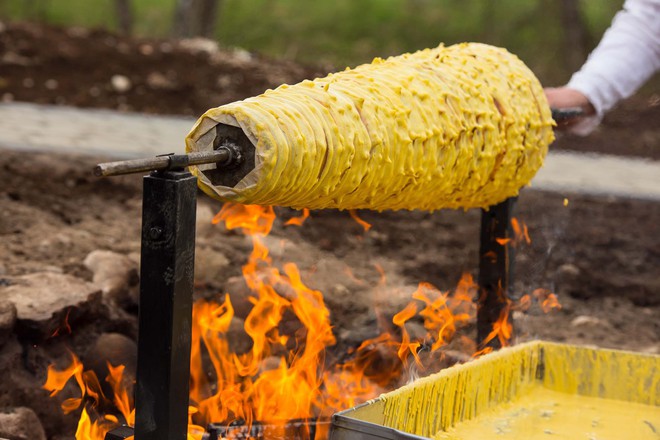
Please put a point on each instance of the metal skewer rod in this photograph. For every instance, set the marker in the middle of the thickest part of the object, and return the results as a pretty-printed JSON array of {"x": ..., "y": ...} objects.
[
  {"x": 566, "y": 114},
  {"x": 224, "y": 155}
]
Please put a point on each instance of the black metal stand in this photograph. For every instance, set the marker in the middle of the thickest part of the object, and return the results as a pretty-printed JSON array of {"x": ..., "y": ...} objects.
[
  {"x": 165, "y": 313},
  {"x": 495, "y": 270}
]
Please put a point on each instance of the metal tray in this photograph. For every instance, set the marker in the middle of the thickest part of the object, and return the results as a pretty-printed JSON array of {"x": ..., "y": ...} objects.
[{"x": 586, "y": 371}]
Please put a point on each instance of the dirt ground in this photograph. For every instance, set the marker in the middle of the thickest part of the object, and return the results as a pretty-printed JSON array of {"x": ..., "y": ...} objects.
[{"x": 600, "y": 255}]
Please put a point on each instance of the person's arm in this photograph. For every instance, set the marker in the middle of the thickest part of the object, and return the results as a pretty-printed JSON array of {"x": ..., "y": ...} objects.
[{"x": 627, "y": 56}]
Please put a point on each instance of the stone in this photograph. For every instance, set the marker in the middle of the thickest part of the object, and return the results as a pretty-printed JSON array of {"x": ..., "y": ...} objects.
[
  {"x": 205, "y": 215},
  {"x": 158, "y": 81},
  {"x": 116, "y": 349},
  {"x": 116, "y": 275},
  {"x": 21, "y": 424},
  {"x": 210, "y": 266},
  {"x": 568, "y": 276},
  {"x": 44, "y": 299},
  {"x": 416, "y": 331},
  {"x": 568, "y": 269},
  {"x": 199, "y": 45},
  {"x": 269, "y": 363},
  {"x": 7, "y": 321},
  {"x": 239, "y": 295},
  {"x": 239, "y": 341},
  {"x": 242, "y": 55},
  {"x": 146, "y": 49},
  {"x": 120, "y": 83},
  {"x": 589, "y": 321}
]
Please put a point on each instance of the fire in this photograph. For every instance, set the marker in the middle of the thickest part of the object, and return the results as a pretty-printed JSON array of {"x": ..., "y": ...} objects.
[
  {"x": 298, "y": 221},
  {"x": 547, "y": 300},
  {"x": 520, "y": 231},
  {"x": 502, "y": 328},
  {"x": 283, "y": 373},
  {"x": 91, "y": 396},
  {"x": 354, "y": 215},
  {"x": 520, "y": 234},
  {"x": 251, "y": 386}
]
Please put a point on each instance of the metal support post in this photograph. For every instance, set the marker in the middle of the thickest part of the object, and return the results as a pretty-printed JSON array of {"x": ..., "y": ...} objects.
[
  {"x": 165, "y": 309},
  {"x": 166, "y": 288},
  {"x": 495, "y": 270}
]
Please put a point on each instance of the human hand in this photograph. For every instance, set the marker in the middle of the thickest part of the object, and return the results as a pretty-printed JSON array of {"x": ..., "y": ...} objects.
[{"x": 565, "y": 98}]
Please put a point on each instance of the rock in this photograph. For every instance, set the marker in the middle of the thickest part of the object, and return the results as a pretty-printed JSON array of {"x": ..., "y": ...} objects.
[
  {"x": 116, "y": 349},
  {"x": 210, "y": 267},
  {"x": 146, "y": 49},
  {"x": 416, "y": 331},
  {"x": 568, "y": 270},
  {"x": 590, "y": 321},
  {"x": 381, "y": 361},
  {"x": 239, "y": 341},
  {"x": 242, "y": 55},
  {"x": 43, "y": 299},
  {"x": 205, "y": 214},
  {"x": 7, "y": 321},
  {"x": 116, "y": 275},
  {"x": 21, "y": 424},
  {"x": 199, "y": 45},
  {"x": 567, "y": 275},
  {"x": 158, "y": 81},
  {"x": 51, "y": 84},
  {"x": 391, "y": 299},
  {"x": 239, "y": 295},
  {"x": 269, "y": 363},
  {"x": 120, "y": 83},
  {"x": 224, "y": 81}
]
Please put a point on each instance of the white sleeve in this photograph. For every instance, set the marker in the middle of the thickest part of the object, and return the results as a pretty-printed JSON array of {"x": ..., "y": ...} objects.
[{"x": 626, "y": 57}]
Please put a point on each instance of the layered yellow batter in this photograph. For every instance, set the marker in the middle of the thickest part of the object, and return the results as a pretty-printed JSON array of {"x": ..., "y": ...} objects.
[
  {"x": 543, "y": 414},
  {"x": 452, "y": 127}
]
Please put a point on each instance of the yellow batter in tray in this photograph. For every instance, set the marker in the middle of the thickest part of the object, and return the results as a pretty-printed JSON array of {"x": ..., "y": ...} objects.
[
  {"x": 543, "y": 414},
  {"x": 536, "y": 390}
]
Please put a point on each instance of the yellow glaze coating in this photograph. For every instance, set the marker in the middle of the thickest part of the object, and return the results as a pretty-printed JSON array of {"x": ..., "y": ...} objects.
[
  {"x": 478, "y": 393},
  {"x": 452, "y": 127}
]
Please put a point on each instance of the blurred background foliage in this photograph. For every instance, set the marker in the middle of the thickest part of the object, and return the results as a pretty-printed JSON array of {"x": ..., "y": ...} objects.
[{"x": 552, "y": 36}]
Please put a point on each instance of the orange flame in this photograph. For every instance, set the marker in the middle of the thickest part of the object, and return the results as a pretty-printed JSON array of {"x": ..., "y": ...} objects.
[
  {"x": 520, "y": 231},
  {"x": 298, "y": 221},
  {"x": 276, "y": 380},
  {"x": 282, "y": 373},
  {"x": 520, "y": 234},
  {"x": 406, "y": 345},
  {"x": 502, "y": 328},
  {"x": 354, "y": 215},
  {"x": 90, "y": 390},
  {"x": 547, "y": 299},
  {"x": 446, "y": 313}
]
